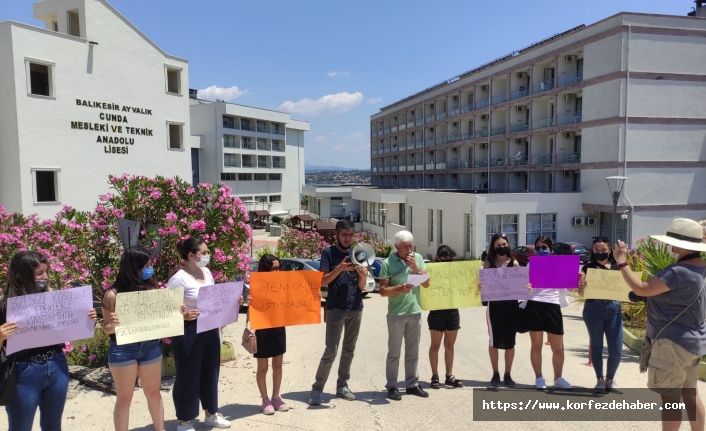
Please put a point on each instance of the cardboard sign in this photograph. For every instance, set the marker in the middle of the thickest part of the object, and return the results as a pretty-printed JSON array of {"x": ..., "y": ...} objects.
[
  {"x": 451, "y": 285},
  {"x": 605, "y": 284},
  {"x": 149, "y": 315},
  {"x": 285, "y": 298},
  {"x": 218, "y": 305},
  {"x": 500, "y": 284},
  {"x": 554, "y": 272},
  {"x": 45, "y": 319}
]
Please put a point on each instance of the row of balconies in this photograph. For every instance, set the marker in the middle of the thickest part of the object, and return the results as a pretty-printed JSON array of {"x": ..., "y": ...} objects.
[
  {"x": 495, "y": 162},
  {"x": 252, "y": 126},
  {"x": 247, "y": 161},
  {"x": 247, "y": 143}
]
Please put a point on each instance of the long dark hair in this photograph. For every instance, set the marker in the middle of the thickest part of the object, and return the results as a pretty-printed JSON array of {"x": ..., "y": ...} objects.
[
  {"x": 266, "y": 261},
  {"x": 131, "y": 263},
  {"x": 446, "y": 252},
  {"x": 189, "y": 245},
  {"x": 601, "y": 240},
  {"x": 492, "y": 255},
  {"x": 548, "y": 241},
  {"x": 20, "y": 276}
]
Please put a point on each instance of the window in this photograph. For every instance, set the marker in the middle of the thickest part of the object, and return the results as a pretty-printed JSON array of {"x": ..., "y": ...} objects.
[
  {"x": 73, "y": 23},
  {"x": 410, "y": 219},
  {"x": 261, "y": 199},
  {"x": 247, "y": 143},
  {"x": 540, "y": 225},
  {"x": 244, "y": 177},
  {"x": 336, "y": 207},
  {"x": 441, "y": 228},
  {"x": 275, "y": 177},
  {"x": 501, "y": 223},
  {"x": 231, "y": 141},
  {"x": 246, "y": 198},
  {"x": 173, "y": 80},
  {"x": 175, "y": 136},
  {"x": 229, "y": 122},
  {"x": 40, "y": 79},
  {"x": 402, "y": 219},
  {"x": 364, "y": 211},
  {"x": 227, "y": 176},
  {"x": 467, "y": 240},
  {"x": 606, "y": 226},
  {"x": 260, "y": 177},
  {"x": 262, "y": 162},
  {"x": 231, "y": 160},
  {"x": 262, "y": 144},
  {"x": 431, "y": 225},
  {"x": 276, "y": 198},
  {"x": 45, "y": 186}
]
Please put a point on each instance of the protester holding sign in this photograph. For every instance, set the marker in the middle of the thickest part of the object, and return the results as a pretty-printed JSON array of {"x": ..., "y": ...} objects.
[
  {"x": 603, "y": 317},
  {"x": 443, "y": 325},
  {"x": 197, "y": 355},
  {"x": 144, "y": 358},
  {"x": 42, "y": 372},
  {"x": 501, "y": 316}
]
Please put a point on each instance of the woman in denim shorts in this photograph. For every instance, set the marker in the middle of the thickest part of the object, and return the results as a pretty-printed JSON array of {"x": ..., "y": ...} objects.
[{"x": 128, "y": 361}]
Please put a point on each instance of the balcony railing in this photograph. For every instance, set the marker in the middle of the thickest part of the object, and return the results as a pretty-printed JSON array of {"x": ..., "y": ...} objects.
[
  {"x": 519, "y": 127},
  {"x": 452, "y": 165},
  {"x": 263, "y": 164},
  {"x": 419, "y": 144},
  {"x": 386, "y": 150},
  {"x": 570, "y": 78},
  {"x": 386, "y": 169},
  {"x": 410, "y": 123},
  {"x": 568, "y": 158},
  {"x": 481, "y": 163},
  {"x": 521, "y": 92},
  {"x": 500, "y": 98},
  {"x": 482, "y": 104},
  {"x": 568, "y": 118},
  {"x": 278, "y": 164},
  {"x": 542, "y": 123},
  {"x": 263, "y": 129},
  {"x": 402, "y": 147},
  {"x": 441, "y": 115},
  {"x": 247, "y": 163},
  {"x": 499, "y": 162},
  {"x": 452, "y": 138},
  {"x": 393, "y": 149},
  {"x": 518, "y": 161},
  {"x": 468, "y": 164},
  {"x": 375, "y": 169},
  {"x": 453, "y": 112},
  {"x": 248, "y": 145},
  {"x": 232, "y": 164},
  {"x": 394, "y": 129},
  {"x": 481, "y": 133},
  {"x": 393, "y": 168},
  {"x": 541, "y": 159},
  {"x": 263, "y": 146},
  {"x": 247, "y": 126},
  {"x": 419, "y": 121},
  {"x": 466, "y": 108},
  {"x": 278, "y": 147},
  {"x": 441, "y": 140},
  {"x": 420, "y": 167},
  {"x": 411, "y": 168},
  {"x": 543, "y": 86},
  {"x": 429, "y": 166},
  {"x": 498, "y": 130},
  {"x": 386, "y": 131},
  {"x": 429, "y": 119},
  {"x": 230, "y": 124},
  {"x": 375, "y": 152},
  {"x": 429, "y": 142},
  {"x": 277, "y": 130},
  {"x": 231, "y": 143},
  {"x": 373, "y": 134},
  {"x": 403, "y": 126},
  {"x": 440, "y": 165}
]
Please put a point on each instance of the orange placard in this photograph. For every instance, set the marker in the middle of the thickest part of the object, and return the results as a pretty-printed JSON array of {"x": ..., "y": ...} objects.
[{"x": 285, "y": 298}]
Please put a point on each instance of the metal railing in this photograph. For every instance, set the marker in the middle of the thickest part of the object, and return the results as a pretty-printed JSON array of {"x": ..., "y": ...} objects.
[
  {"x": 278, "y": 164},
  {"x": 481, "y": 163},
  {"x": 411, "y": 168},
  {"x": 452, "y": 138},
  {"x": 278, "y": 147},
  {"x": 481, "y": 133},
  {"x": 543, "y": 86},
  {"x": 248, "y": 163},
  {"x": 393, "y": 168},
  {"x": 247, "y": 126},
  {"x": 232, "y": 164},
  {"x": 518, "y": 161},
  {"x": 248, "y": 145},
  {"x": 568, "y": 158},
  {"x": 542, "y": 123},
  {"x": 277, "y": 131},
  {"x": 453, "y": 112},
  {"x": 394, "y": 129},
  {"x": 441, "y": 115},
  {"x": 541, "y": 159},
  {"x": 386, "y": 150},
  {"x": 468, "y": 164},
  {"x": 231, "y": 143},
  {"x": 570, "y": 78},
  {"x": 410, "y": 123},
  {"x": 263, "y": 146},
  {"x": 499, "y": 162},
  {"x": 373, "y": 134},
  {"x": 466, "y": 108},
  {"x": 519, "y": 127},
  {"x": 440, "y": 165},
  {"x": 467, "y": 136},
  {"x": 386, "y": 169},
  {"x": 500, "y": 98},
  {"x": 520, "y": 93},
  {"x": 386, "y": 131},
  {"x": 402, "y": 147},
  {"x": 230, "y": 124},
  {"x": 441, "y": 140},
  {"x": 568, "y": 118},
  {"x": 403, "y": 168},
  {"x": 263, "y": 164},
  {"x": 482, "y": 104},
  {"x": 429, "y": 166},
  {"x": 419, "y": 144},
  {"x": 429, "y": 142},
  {"x": 498, "y": 130},
  {"x": 263, "y": 129},
  {"x": 375, "y": 152},
  {"x": 375, "y": 169},
  {"x": 419, "y": 121},
  {"x": 403, "y": 126},
  {"x": 393, "y": 149},
  {"x": 452, "y": 165},
  {"x": 420, "y": 167}
]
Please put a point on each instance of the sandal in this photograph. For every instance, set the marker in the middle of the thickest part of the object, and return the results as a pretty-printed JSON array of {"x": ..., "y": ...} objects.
[
  {"x": 435, "y": 384},
  {"x": 453, "y": 382}
]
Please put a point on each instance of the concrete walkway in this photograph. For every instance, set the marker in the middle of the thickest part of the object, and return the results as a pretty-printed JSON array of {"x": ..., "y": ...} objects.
[{"x": 445, "y": 409}]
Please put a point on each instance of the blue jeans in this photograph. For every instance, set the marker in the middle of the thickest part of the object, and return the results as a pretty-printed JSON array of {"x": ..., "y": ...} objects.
[
  {"x": 39, "y": 384},
  {"x": 142, "y": 353},
  {"x": 604, "y": 317}
]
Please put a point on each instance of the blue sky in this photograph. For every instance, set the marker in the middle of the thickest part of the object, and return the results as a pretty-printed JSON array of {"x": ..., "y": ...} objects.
[{"x": 335, "y": 63}]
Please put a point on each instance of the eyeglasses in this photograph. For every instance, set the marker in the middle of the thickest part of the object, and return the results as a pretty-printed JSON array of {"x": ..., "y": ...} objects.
[{"x": 600, "y": 239}]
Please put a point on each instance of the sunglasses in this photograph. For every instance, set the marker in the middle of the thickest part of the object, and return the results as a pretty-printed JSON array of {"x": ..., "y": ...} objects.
[{"x": 600, "y": 239}]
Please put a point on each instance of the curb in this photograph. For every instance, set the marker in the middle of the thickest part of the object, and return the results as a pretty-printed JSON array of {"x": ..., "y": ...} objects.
[{"x": 635, "y": 344}]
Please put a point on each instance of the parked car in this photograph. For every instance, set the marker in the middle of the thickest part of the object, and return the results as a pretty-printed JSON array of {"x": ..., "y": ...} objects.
[
  {"x": 569, "y": 248},
  {"x": 522, "y": 254}
]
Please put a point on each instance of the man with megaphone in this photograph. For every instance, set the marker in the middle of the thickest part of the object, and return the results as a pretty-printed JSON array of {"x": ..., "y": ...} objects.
[{"x": 345, "y": 276}]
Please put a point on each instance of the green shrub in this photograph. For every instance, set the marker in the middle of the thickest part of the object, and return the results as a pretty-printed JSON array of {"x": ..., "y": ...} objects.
[{"x": 91, "y": 352}]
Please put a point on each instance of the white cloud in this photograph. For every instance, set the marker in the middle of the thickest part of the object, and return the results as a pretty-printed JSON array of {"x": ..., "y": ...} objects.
[
  {"x": 335, "y": 74},
  {"x": 228, "y": 94},
  {"x": 329, "y": 104},
  {"x": 374, "y": 100}
]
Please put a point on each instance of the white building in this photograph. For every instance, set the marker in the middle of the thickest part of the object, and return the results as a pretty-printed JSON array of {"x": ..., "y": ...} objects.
[
  {"x": 81, "y": 97},
  {"x": 259, "y": 153},
  {"x": 523, "y": 144}
]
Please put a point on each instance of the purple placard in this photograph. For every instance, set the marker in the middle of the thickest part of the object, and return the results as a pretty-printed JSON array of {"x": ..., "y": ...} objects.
[
  {"x": 554, "y": 272},
  {"x": 500, "y": 284},
  {"x": 45, "y": 319},
  {"x": 218, "y": 305}
]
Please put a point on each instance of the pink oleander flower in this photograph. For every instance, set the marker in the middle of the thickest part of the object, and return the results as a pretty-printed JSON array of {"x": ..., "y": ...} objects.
[
  {"x": 92, "y": 358},
  {"x": 68, "y": 347},
  {"x": 198, "y": 225},
  {"x": 83, "y": 348},
  {"x": 170, "y": 217}
]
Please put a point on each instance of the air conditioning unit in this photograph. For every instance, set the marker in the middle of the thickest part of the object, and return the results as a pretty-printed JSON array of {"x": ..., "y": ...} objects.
[
  {"x": 484, "y": 87},
  {"x": 454, "y": 124},
  {"x": 519, "y": 141},
  {"x": 455, "y": 98},
  {"x": 412, "y": 133},
  {"x": 412, "y": 112},
  {"x": 484, "y": 117},
  {"x": 395, "y": 138},
  {"x": 431, "y": 106},
  {"x": 455, "y": 150},
  {"x": 569, "y": 59},
  {"x": 577, "y": 221},
  {"x": 431, "y": 153},
  {"x": 518, "y": 174},
  {"x": 519, "y": 108},
  {"x": 431, "y": 129},
  {"x": 483, "y": 174},
  {"x": 568, "y": 135},
  {"x": 566, "y": 174},
  {"x": 521, "y": 75},
  {"x": 590, "y": 221},
  {"x": 354, "y": 217},
  {"x": 483, "y": 146},
  {"x": 568, "y": 98},
  {"x": 454, "y": 175}
]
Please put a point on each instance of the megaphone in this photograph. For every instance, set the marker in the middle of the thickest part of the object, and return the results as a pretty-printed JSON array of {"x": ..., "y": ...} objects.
[{"x": 363, "y": 254}]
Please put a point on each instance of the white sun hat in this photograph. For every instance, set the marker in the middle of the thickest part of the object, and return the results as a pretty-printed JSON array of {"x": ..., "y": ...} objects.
[{"x": 684, "y": 233}]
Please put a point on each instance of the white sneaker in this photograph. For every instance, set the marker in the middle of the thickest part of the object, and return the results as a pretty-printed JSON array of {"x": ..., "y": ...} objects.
[
  {"x": 540, "y": 384},
  {"x": 562, "y": 384},
  {"x": 216, "y": 421},
  {"x": 186, "y": 426}
]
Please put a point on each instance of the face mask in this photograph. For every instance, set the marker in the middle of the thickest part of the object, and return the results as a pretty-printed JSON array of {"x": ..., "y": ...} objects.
[
  {"x": 542, "y": 251},
  {"x": 601, "y": 256},
  {"x": 147, "y": 273},
  {"x": 203, "y": 262},
  {"x": 502, "y": 251},
  {"x": 41, "y": 284}
]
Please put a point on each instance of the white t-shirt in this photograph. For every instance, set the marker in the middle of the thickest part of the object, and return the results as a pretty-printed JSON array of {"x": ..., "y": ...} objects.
[
  {"x": 551, "y": 296},
  {"x": 190, "y": 285}
]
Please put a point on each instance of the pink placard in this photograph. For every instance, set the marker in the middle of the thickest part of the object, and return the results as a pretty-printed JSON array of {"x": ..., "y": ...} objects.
[
  {"x": 218, "y": 305},
  {"x": 554, "y": 272}
]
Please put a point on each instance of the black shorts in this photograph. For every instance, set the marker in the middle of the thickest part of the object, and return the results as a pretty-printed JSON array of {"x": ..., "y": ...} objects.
[
  {"x": 444, "y": 320},
  {"x": 542, "y": 316}
]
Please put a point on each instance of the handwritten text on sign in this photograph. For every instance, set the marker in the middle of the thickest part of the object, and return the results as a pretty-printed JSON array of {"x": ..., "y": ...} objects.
[
  {"x": 604, "y": 284},
  {"x": 501, "y": 284},
  {"x": 218, "y": 305},
  {"x": 451, "y": 285},
  {"x": 149, "y": 315},
  {"x": 44, "y": 319},
  {"x": 285, "y": 298},
  {"x": 554, "y": 272}
]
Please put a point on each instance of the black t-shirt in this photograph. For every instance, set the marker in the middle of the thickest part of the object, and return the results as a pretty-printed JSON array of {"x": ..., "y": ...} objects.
[
  {"x": 596, "y": 265},
  {"x": 343, "y": 292},
  {"x": 31, "y": 352}
]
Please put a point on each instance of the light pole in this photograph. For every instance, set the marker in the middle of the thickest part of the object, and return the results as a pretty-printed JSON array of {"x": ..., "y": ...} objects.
[
  {"x": 344, "y": 205},
  {"x": 615, "y": 186},
  {"x": 318, "y": 210}
]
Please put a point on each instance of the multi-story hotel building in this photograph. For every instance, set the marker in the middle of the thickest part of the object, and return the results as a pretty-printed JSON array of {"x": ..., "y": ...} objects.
[
  {"x": 524, "y": 143},
  {"x": 257, "y": 152}
]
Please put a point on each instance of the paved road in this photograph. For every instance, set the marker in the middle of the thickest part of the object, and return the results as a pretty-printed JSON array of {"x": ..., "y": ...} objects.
[{"x": 445, "y": 409}]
